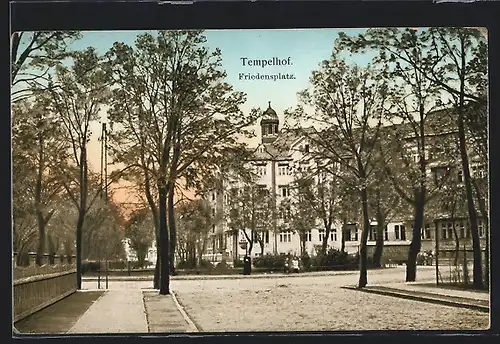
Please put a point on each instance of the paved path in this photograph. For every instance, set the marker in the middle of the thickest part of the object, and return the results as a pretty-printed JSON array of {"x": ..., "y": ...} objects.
[{"x": 116, "y": 311}]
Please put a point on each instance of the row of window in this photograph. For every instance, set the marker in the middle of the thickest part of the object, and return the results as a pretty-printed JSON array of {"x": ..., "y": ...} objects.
[
  {"x": 287, "y": 236},
  {"x": 448, "y": 232},
  {"x": 399, "y": 233}
]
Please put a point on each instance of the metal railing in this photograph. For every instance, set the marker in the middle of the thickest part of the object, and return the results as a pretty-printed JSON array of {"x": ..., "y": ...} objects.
[{"x": 36, "y": 287}]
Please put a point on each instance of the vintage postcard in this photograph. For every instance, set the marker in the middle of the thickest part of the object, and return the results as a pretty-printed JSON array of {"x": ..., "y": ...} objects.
[{"x": 174, "y": 181}]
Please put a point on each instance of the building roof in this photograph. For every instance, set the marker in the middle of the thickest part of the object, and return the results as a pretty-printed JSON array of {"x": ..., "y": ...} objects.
[{"x": 269, "y": 116}]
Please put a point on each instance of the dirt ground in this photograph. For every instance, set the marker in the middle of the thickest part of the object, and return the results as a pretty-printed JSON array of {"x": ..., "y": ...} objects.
[{"x": 313, "y": 304}]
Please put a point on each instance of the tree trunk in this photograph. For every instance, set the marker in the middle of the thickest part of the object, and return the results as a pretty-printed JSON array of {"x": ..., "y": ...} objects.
[
  {"x": 171, "y": 226},
  {"x": 41, "y": 241},
  {"x": 484, "y": 214},
  {"x": 156, "y": 278},
  {"x": 476, "y": 247},
  {"x": 235, "y": 245},
  {"x": 38, "y": 203},
  {"x": 363, "y": 273},
  {"x": 416, "y": 239},
  {"x": 342, "y": 239},
  {"x": 379, "y": 245},
  {"x": 52, "y": 250},
  {"x": 324, "y": 244},
  {"x": 164, "y": 244},
  {"x": 79, "y": 228}
]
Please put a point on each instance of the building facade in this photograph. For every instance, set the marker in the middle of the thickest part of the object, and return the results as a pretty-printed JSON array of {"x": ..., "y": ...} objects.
[{"x": 279, "y": 158}]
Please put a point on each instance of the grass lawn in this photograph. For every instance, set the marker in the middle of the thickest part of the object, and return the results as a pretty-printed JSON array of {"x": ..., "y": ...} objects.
[
  {"x": 455, "y": 286},
  {"x": 59, "y": 317}
]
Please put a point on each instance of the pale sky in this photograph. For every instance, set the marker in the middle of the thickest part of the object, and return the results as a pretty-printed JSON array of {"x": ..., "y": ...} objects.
[
  {"x": 305, "y": 49},
  {"x": 302, "y": 49}
]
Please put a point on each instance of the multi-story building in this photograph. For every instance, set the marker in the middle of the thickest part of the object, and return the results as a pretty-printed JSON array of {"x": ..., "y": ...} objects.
[{"x": 282, "y": 155}]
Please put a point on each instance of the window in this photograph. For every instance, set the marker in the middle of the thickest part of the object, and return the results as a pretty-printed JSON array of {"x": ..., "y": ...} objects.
[
  {"x": 213, "y": 196},
  {"x": 450, "y": 230},
  {"x": 351, "y": 233},
  {"x": 427, "y": 231},
  {"x": 286, "y": 236},
  {"x": 347, "y": 235},
  {"x": 333, "y": 236},
  {"x": 443, "y": 230},
  {"x": 308, "y": 236},
  {"x": 284, "y": 192},
  {"x": 461, "y": 229},
  {"x": 306, "y": 148},
  {"x": 460, "y": 176},
  {"x": 285, "y": 214},
  {"x": 321, "y": 236},
  {"x": 213, "y": 228},
  {"x": 386, "y": 233},
  {"x": 400, "y": 232},
  {"x": 480, "y": 228},
  {"x": 213, "y": 211},
  {"x": 284, "y": 170},
  {"x": 373, "y": 232},
  {"x": 255, "y": 237}
]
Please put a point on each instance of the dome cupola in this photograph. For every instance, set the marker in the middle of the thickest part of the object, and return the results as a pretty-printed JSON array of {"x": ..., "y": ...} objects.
[{"x": 269, "y": 125}]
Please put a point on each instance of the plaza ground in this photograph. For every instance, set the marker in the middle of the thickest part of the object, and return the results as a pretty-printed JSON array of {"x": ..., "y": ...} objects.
[{"x": 303, "y": 302}]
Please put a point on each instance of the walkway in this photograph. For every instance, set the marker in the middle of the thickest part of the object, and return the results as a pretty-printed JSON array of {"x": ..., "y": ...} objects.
[{"x": 116, "y": 311}]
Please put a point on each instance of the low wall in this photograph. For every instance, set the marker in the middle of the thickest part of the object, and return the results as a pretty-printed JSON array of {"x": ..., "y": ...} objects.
[{"x": 30, "y": 294}]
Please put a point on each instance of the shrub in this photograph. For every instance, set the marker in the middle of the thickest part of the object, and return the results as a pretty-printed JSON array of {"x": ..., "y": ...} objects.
[
  {"x": 238, "y": 263},
  {"x": 270, "y": 261},
  {"x": 89, "y": 266},
  {"x": 206, "y": 264},
  {"x": 120, "y": 264},
  {"x": 183, "y": 264},
  {"x": 222, "y": 266},
  {"x": 306, "y": 261},
  {"x": 333, "y": 258}
]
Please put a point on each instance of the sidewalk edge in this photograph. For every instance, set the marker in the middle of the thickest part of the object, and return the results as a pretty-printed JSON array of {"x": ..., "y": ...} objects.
[
  {"x": 186, "y": 317},
  {"x": 411, "y": 296}
]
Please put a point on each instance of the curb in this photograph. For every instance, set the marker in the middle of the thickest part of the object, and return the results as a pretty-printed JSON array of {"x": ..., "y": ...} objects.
[
  {"x": 221, "y": 277},
  {"x": 186, "y": 317},
  {"x": 417, "y": 296}
]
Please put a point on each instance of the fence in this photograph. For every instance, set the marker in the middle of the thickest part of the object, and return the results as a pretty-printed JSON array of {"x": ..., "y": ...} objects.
[
  {"x": 457, "y": 266},
  {"x": 36, "y": 287}
]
